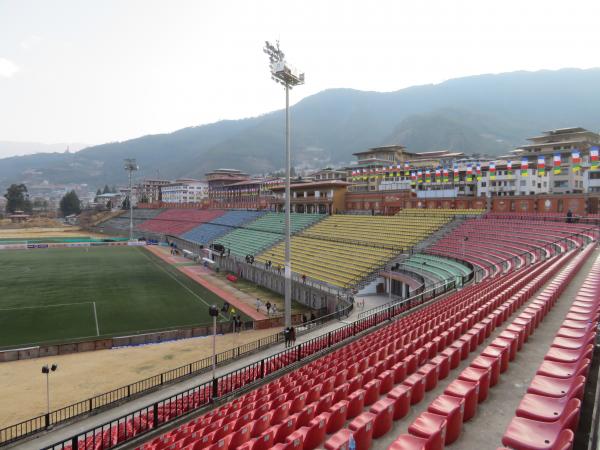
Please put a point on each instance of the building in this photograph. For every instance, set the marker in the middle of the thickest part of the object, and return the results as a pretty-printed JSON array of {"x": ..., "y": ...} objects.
[
  {"x": 184, "y": 191},
  {"x": 148, "y": 190},
  {"x": 317, "y": 197},
  {"x": 372, "y": 163},
  {"x": 329, "y": 174},
  {"x": 591, "y": 181},
  {"x": 112, "y": 200},
  {"x": 564, "y": 148},
  {"x": 561, "y": 140}
]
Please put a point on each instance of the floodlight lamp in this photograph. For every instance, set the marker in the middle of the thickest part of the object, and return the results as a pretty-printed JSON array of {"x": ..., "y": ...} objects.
[
  {"x": 213, "y": 310},
  {"x": 45, "y": 369},
  {"x": 54, "y": 367}
]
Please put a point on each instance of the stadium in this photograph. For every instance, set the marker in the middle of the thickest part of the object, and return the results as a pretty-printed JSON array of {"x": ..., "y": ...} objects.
[
  {"x": 406, "y": 276},
  {"x": 473, "y": 320}
]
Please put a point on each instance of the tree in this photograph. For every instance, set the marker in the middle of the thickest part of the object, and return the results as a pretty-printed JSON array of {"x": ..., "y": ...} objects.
[
  {"x": 113, "y": 189},
  {"x": 70, "y": 204},
  {"x": 125, "y": 204},
  {"x": 17, "y": 199},
  {"x": 106, "y": 189}
]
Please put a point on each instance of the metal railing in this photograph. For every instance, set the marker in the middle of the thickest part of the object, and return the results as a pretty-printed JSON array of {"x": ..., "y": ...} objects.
[
  {"x": 116, "y": 432},
  {"x": 238, "y": 379},
  {"x": 37, "y": 424}
]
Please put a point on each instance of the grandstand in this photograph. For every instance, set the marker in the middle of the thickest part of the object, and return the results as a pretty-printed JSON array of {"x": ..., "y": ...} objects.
[
  {"x": 119, "y": 225},
  {"x": 255, "y": 236},
  {"x": 414, "y": 383},
  {"x": 208, "y": 232},
  {"x": 343, "y": 249},
  {"x": 178, "y": 221},
  {"x": 438, "y": 268},
  {"x": 441, "y": 211},
  {"x": 495, "y": 245},
  {"x": 404, "y": 379}
]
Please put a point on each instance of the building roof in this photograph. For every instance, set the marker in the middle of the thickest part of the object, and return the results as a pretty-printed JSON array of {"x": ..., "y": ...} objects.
[
  {"x": 246, "y": 182},
  {"x": 565, "y": 130},
  {"x": 439, "y": 153},
  {"x": 385, "y": 148},
  {"x": 313, "y": 184},
  {"x": 230, "y": 171},
  {"x": 540, "y": 144}
]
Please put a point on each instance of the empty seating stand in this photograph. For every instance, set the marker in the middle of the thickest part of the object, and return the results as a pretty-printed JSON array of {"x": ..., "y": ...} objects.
[
  {"x": 208, "y": 232},
  {"x": 342, "y": 250},
  {"x": 178, "y": 221},
  {"x": 547, "y": 416},
  {"x": 488, "y": 242},
  {"x": 359, "y": 390},
  {"x": 253, "y": 237}
]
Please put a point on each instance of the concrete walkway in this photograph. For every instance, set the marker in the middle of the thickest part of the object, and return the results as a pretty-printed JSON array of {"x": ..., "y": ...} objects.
[{"x": 65, "y": 432}]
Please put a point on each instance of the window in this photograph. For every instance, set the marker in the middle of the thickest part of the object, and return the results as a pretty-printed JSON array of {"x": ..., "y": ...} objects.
[
  {"x": 483, "y": 184},
  {"x": 523, "y": 183}
]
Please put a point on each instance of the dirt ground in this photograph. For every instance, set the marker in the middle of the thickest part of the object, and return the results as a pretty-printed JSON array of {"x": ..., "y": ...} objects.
[
  {"x": 82, "y": 375},
  {"x": 40, "y": 232}
]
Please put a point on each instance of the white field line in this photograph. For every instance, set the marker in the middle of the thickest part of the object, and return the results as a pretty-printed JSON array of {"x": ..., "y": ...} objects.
[
  {"x": 43, "y": 306},
  {"x": 179, "y": 282},
  {"x": 96, "y": 319}
]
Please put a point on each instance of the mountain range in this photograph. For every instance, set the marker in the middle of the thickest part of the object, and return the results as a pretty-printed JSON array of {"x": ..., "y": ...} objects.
[{"x": 484, "y": 114}]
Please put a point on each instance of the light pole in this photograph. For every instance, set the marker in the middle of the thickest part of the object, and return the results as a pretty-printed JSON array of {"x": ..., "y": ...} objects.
[
  {"x": 130, "y": 166},
  {"x": 214, "y": 313},
  {"x": 288, "y": 76},
  {"x": 46, "y": 370}
]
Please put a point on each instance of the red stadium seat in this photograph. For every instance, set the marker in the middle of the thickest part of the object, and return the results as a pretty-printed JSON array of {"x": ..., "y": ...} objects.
[
  {"x": 431, "y": 427},
  {"x": 401, "y": 396},
  {"x": 468, "y": 390},
  {"x": 336, "y": 416},
  {"x": 356, "y": 403},
  {"x": 384, "y": 415},
  {"x": 409, "y": 442},
  {"x": 452, "y": 408},
  {"x": 527, "y": 434}
]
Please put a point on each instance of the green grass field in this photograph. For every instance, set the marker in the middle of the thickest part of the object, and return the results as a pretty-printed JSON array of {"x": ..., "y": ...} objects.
[{"x": 70, "y": 294}]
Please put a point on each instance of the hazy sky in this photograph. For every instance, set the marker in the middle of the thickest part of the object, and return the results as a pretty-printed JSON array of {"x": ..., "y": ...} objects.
[{"x": 98, "y": 71}]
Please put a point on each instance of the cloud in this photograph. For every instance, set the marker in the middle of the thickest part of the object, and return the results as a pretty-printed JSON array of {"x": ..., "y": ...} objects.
[
  {"x": 7, "y": 68},
  {"x": 30, "y": 42}
]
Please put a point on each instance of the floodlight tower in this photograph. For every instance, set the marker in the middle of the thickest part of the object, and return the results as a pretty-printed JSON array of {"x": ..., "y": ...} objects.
[
  {"x": 130, "y": 166},
  {"x": 288, "y": 76}
]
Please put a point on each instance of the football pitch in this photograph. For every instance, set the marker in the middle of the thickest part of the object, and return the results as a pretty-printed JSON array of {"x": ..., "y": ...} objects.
[{"x": 70, "y": 294}]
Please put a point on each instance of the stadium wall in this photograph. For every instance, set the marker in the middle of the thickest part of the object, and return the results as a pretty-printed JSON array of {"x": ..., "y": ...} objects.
[
  {"x": 315, "y": 296},
  {"x": 123, "y": 341}
]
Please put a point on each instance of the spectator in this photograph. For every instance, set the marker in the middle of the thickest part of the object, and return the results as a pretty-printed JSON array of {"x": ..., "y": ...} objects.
[
  {"x": 258, "y": 304},
  {"x": 274, "y": 309},
  {"x": 312, "y": 316},
  {"x": 304, "y": 278},
  {"x": 278, "y": 269},
  {"x": 268, "y": 305},
  {"x": 239, "y": 323},
  {"x": 293, "y": 336},
  {"x": 569, "y": 216},
  {"x": 304, "y": 319},
  {"x": 286, "y": 336}
]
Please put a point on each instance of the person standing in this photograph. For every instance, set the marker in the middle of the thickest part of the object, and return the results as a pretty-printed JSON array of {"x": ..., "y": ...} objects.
[
  {"x": 268, "y": 305},
  {"x": 293, "y": 336},
  {"x": 286, "y": 336},
  {"x": 258, "y": 304}
]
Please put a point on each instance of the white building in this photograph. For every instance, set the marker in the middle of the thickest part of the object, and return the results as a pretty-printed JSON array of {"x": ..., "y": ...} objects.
[
  {"x": 591, "y": 181},
  {"x": 184, "y": 191}
]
